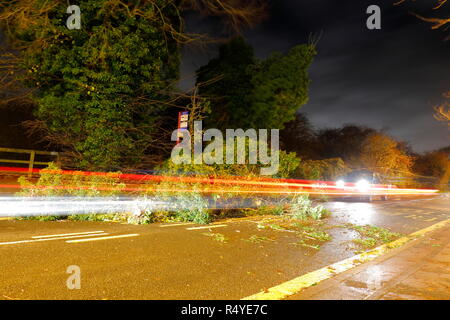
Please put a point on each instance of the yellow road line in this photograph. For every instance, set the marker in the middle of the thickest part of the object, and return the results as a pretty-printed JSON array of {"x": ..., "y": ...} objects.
[
  {"x": 104, "y": 238},
  {"x": 49, "y": 239},
  {"x": 66, "y": 234},
  {"x": 207, "y": 227},
  {"x": 312, "y": 278}
]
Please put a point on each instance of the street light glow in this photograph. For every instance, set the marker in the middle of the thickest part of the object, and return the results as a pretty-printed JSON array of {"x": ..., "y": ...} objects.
[
  {"x": 340, "y": 184},
  {"x": 363, "y": 185}
]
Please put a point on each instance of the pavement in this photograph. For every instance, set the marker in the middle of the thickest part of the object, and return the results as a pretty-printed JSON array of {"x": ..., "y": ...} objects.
[
  {"x": 418, "y": 271},
  {"x": 220, "y": 261}
]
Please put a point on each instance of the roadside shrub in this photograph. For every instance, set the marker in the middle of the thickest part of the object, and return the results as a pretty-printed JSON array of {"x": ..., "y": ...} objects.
[
  {"x": 52, "y": 182},
  {"x": 276, "y": 210},
  {"x": 288, "y": 163},
  {"x": 144, "y": 217},
  {"x": 327, "y": 169},
  {"x": 192, "y": 199},
  {"x": 192, "y": 208},
  {"x": 266, "y": 209},
  {"x": 301, "y": 208}
]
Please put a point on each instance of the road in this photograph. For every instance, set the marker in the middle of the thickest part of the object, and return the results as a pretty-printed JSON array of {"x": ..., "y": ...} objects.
[{"x": 185, "y": 261}]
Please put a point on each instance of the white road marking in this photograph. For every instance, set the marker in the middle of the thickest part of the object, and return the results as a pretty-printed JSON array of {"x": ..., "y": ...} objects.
[
  {"x": 48, "y": 239},
  {"x": 207, "y": 227},
  {"x": 175, "y": 224},
  {"x": 103, "y": 238},
  {"x": 66, "y": 234}
]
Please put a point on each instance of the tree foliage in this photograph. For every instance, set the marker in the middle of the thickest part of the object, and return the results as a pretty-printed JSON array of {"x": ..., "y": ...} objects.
[
  {"x": 382, "y": 154},
  {"x": 434, "y": 164},
  {"x": 326, "y": 169},
  {"x": 300, "y": 137},
  {"x": 443, "y": 110},
  {"x": 437, "y": 22},
  {"x": 345, "y": 142},
  {"x": 246, "y": 92},
  {"x": 100, "y": 91},
  {"x": 235, "y": 14},
  {"x": 288, "y": 163}
]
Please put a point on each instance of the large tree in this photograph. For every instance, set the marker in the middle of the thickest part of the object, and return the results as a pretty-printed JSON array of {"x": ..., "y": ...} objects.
[
  {"x": 300, "y": 137},
  {"x": 434, "y": 164},
  {"x": 345, "y": 142},
  {"x": 98, "y": 89},
  {"x": 384, "y": 155},
  {"x": 226, "y": 81},
  {"x": 246, "y": 92},
  {"x": 101, "y": 89}
]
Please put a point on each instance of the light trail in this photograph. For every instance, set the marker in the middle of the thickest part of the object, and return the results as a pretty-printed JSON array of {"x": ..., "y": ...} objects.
[
  {"x": 349, "y": 191},
  {"x": 179, "y": 188},
  {"x": 65, "y": 206},
  {"x": 255, "y": 181},
  {"x": 259, "y": 184}
]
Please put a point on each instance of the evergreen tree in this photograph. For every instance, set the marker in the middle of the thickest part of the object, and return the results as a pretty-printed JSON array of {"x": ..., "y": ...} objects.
[
  {"x": 246, "y": 92},
  {"x": 98, "y": 89}
]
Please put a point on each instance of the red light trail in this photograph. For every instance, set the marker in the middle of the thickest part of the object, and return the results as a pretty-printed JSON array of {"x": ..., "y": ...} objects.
[{"x": 248, "y": 185}]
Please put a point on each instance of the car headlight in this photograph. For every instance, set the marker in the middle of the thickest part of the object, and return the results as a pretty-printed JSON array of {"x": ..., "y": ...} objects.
[
  {"x": 363, "y": 185},
  {"x": 340, "y": 183}
]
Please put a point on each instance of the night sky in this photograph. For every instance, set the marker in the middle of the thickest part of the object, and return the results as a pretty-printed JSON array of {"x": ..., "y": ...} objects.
[{"x": 386, "y": 79}]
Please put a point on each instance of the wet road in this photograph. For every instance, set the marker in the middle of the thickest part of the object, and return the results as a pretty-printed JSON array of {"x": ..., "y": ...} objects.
[
  {"x": 184, "y": 261},
  {"x": 419, "y": 270}
]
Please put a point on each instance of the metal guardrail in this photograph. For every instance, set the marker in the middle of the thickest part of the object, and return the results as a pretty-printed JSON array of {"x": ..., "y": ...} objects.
[{"x": 31, "y": 161}]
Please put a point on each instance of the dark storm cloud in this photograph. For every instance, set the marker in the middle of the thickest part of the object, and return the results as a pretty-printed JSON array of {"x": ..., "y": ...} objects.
[{"x": 387, "y": 78}]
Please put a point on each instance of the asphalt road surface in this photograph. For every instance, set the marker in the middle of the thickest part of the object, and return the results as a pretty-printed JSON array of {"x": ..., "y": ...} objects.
[{"x": 184, "y": 261}]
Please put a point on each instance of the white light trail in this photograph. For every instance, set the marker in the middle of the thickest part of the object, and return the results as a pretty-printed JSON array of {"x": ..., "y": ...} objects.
[
  {"x": 62, "y": 206},
  {"x": 65, "y": 206}
]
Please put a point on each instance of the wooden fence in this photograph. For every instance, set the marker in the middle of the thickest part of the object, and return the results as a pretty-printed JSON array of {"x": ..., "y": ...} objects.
[{"x": 31, "y": 162}]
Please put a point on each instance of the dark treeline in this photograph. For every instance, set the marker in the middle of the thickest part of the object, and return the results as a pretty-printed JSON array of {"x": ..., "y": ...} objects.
[{"x": 360, "y": 147}]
